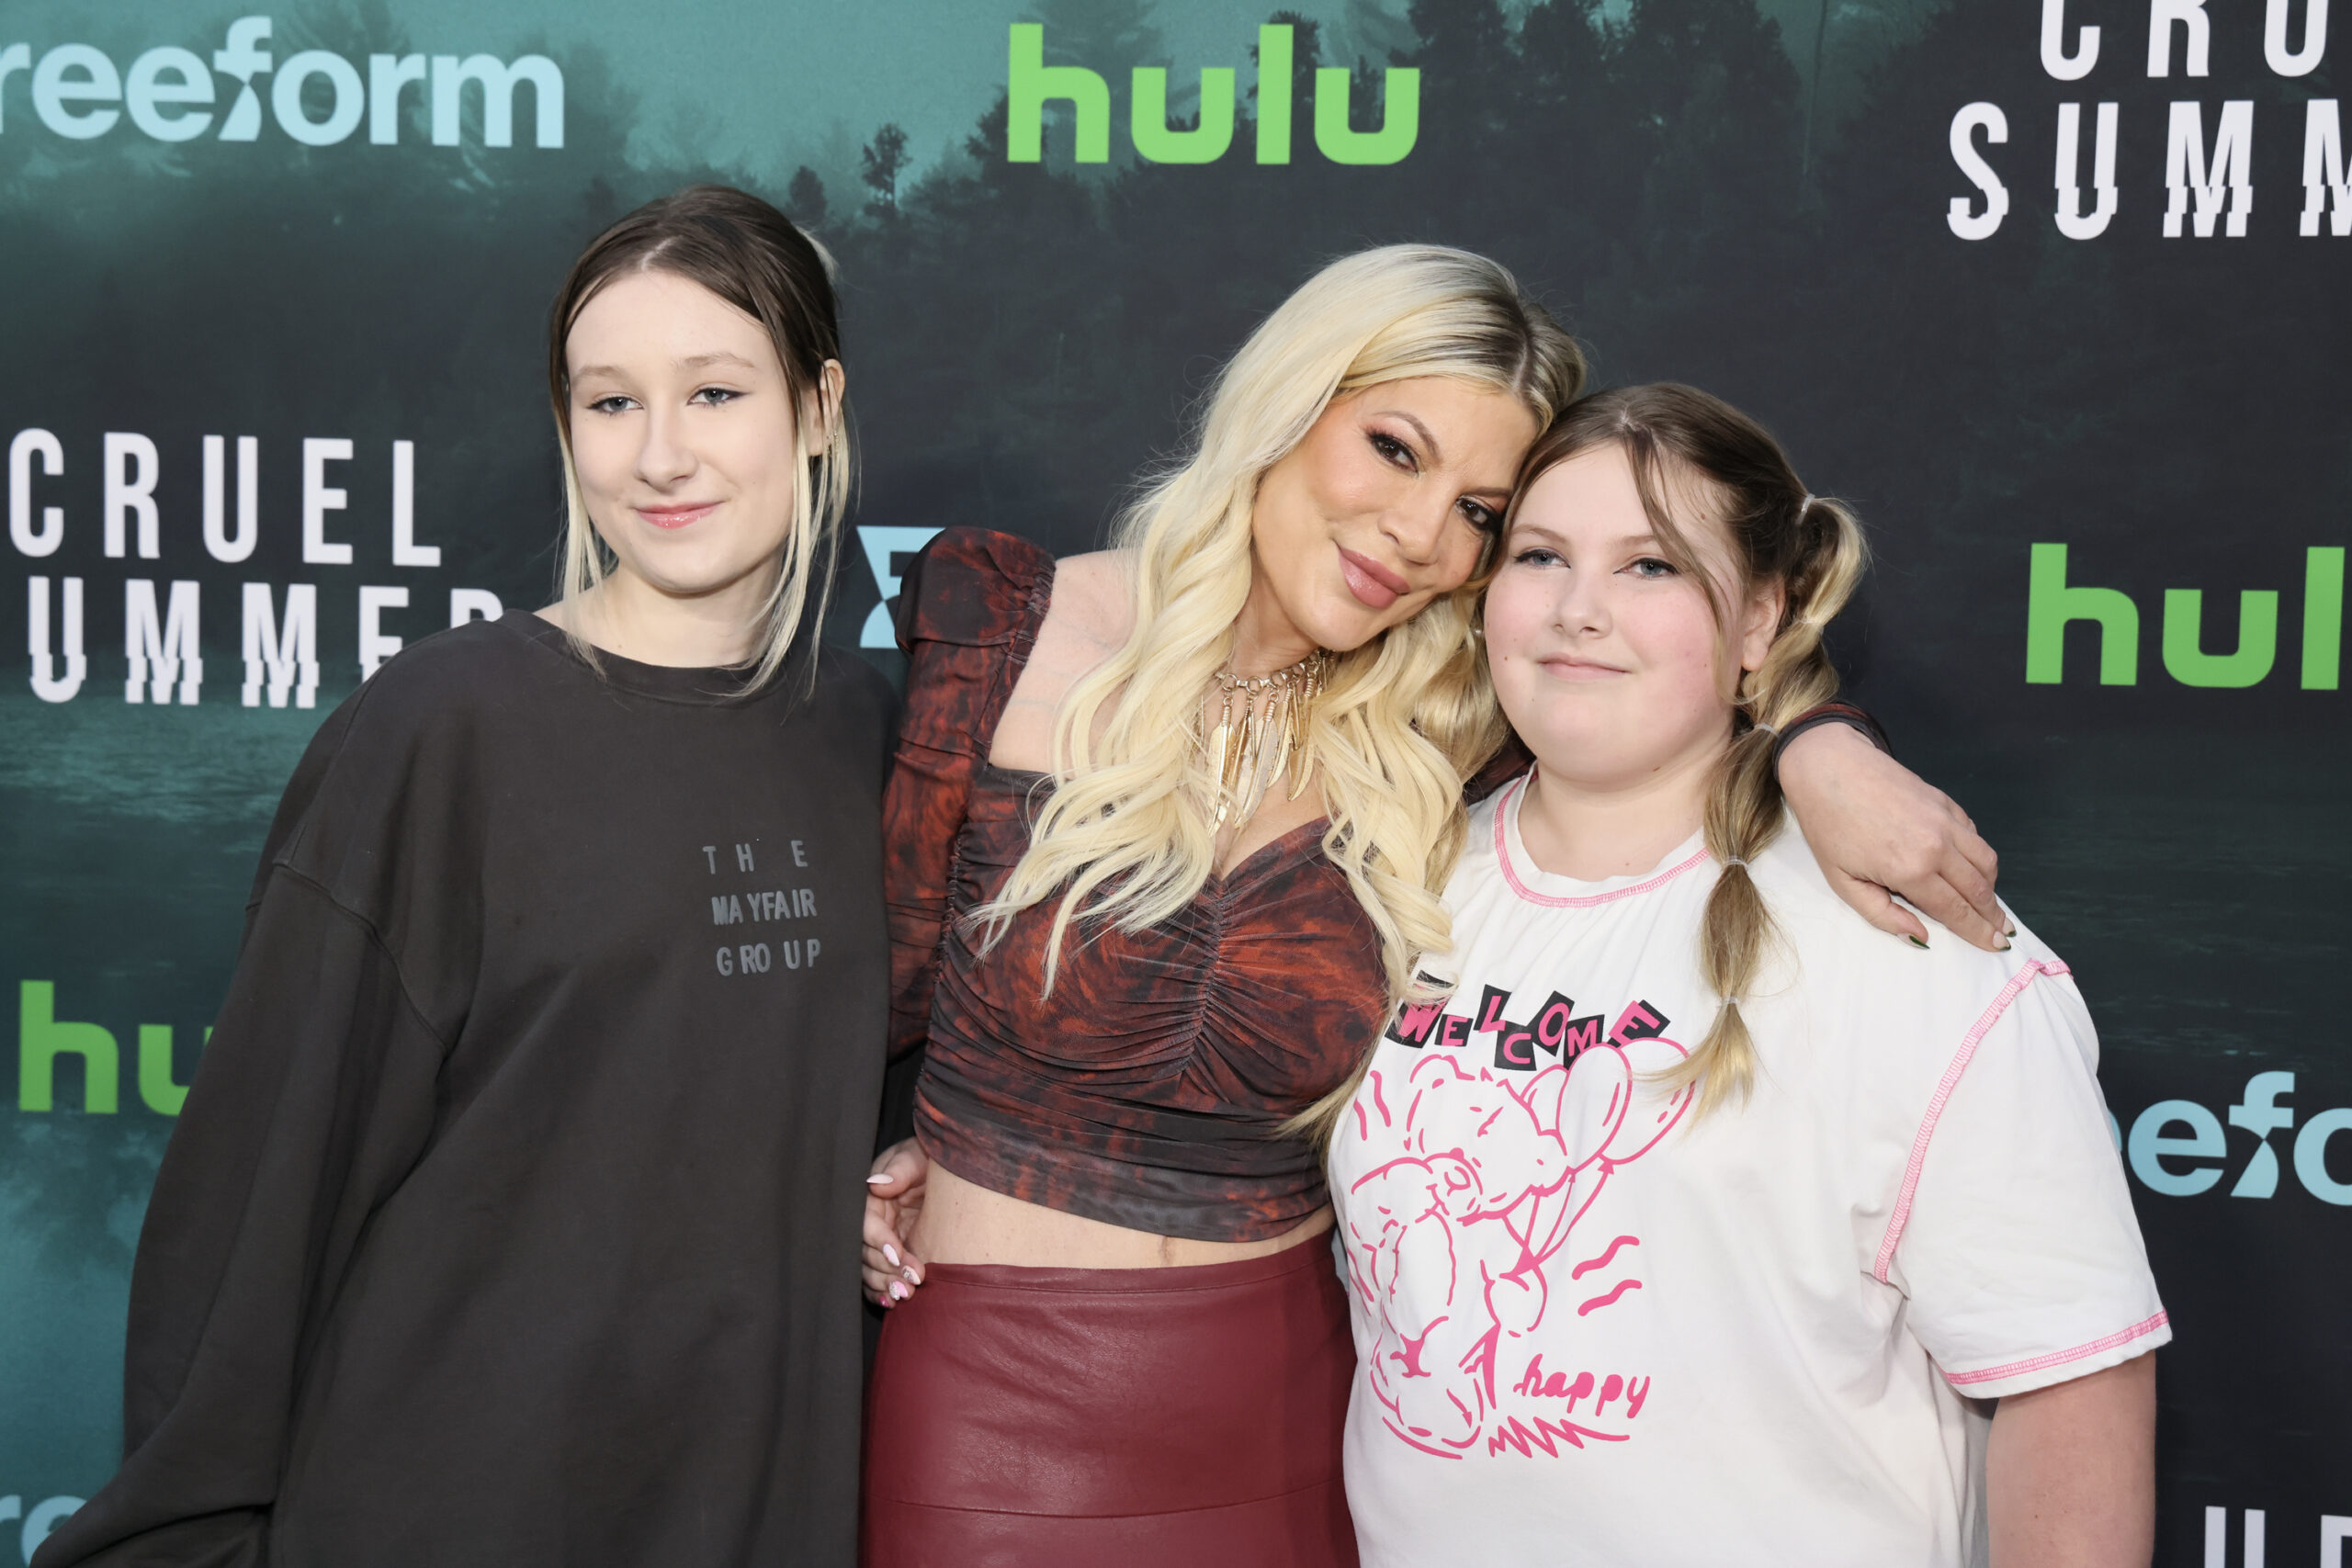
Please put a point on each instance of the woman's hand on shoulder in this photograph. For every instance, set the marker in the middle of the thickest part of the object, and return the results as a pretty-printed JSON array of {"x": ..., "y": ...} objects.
[
  {"x": 1879, "y": 829},
  {"x": 893, "y": 1203}
]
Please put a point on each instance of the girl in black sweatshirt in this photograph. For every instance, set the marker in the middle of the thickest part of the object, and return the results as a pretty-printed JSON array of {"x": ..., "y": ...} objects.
[{"x": 512, "y": 1216}]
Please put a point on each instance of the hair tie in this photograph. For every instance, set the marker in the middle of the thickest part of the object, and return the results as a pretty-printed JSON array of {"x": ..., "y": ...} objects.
[
  {"x": 1731, "y": 860},
  {"x": 1805, "y": 505},
  {"x": 1759, "y": 723}
]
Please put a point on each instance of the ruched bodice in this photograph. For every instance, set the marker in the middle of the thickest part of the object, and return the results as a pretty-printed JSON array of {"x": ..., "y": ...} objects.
[{"x": 1148, "y": 1090}]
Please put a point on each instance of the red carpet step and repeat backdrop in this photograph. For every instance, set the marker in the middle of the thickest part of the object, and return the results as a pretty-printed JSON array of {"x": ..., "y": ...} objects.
[{"x": 2056, "y": 290}]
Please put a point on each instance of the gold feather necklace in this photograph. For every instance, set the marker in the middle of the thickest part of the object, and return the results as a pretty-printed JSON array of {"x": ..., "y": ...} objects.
[{"x": 1260, "y": 734}]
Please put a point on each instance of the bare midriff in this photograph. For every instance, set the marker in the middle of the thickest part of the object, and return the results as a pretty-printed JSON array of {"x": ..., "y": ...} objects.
[{"x": 964, "y": 1222}]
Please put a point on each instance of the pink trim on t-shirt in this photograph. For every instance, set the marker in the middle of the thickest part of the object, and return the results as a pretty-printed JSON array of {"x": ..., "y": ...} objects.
[
  {"x": 2034, "y": 969},
  {"x": 2059, "y": 1358},
  {"x": 1502, "y": 857}
]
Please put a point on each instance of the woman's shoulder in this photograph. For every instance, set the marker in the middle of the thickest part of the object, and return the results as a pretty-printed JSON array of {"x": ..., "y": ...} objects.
[
  {"x": 1478, "y": 845},
  {"x": 1478, "y": 872},
  {"x": 982, "y": 612},
  {"x": 848, "y": 676},
  {"x": 854, "y": 707},
  {"x": 974, "y": 587},
  {"x": 1932, "y": 995},
  {"x": 402, "y": 748},
  {"x": 977, "y": 587},
  {"x": 434, "y": 713},
  {"x": 1094, "y": 592},
  {"x": 466, "y": 668},
  {"x": 1090, "y": 613}
]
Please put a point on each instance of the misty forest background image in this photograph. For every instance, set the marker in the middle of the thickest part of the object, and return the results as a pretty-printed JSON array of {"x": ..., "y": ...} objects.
[{"x": 1748, "y": 198}]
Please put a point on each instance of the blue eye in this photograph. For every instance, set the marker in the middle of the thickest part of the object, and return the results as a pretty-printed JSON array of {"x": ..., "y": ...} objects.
[
  {"x": 1652, "y": 568},
  {"x": 613, "y": 404},
  {"x": 1537, "y": 555},
  {"x": 713, "y": 397}
]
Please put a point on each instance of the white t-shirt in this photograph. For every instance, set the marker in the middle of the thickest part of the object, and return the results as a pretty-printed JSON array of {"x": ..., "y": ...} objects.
[{"x": 1590, "y": 1330}]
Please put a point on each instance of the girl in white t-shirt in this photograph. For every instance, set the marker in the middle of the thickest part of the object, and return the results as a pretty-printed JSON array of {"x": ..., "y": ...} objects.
[{"x": 1701, "y": 1223}]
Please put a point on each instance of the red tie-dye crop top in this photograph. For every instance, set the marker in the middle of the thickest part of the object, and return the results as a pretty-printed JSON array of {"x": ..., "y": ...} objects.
[{"x": 1148, "y": 1090}]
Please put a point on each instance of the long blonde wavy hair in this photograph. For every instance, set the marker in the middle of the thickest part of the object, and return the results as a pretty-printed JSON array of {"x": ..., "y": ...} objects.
[
  {"x": 1684, "y": 443},
  {"x": 1128, "y": 834}
]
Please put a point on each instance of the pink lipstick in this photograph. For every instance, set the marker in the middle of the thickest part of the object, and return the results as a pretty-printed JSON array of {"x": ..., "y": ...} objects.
[
  {"x": 676, "y": 516},
  {"x": 1375, "y": 586}
]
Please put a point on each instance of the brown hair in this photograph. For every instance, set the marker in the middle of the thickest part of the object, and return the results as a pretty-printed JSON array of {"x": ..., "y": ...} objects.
[
  {"x": 751, "y": 255},
  {"x": 1780, "y": 533}
]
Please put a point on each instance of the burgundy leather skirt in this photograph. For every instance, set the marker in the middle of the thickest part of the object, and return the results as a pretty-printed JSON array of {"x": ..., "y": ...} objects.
[{"x": 1113, "y": 1418}]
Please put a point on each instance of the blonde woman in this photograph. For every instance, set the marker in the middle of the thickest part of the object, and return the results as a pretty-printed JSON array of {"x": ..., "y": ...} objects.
[
  {"x": 506, "y": 1219},
  {"x": 1696, "y": 1222},
  {"x": 1168, "y": 831}
]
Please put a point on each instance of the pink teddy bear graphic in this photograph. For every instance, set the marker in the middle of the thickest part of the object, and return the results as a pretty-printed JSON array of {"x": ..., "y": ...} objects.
[{"x": 1449, "y": 1241}]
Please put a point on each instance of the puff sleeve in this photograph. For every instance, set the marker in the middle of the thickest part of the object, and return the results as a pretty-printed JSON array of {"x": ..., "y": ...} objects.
[{"x": 969, "y": 613}]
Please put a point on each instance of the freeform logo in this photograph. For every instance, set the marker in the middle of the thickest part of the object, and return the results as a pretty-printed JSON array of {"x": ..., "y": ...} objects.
[
  {"x": 1031, "y": 84},
  {"x": 2176, "y": 1147},
  {"x": 2052, "y": 604},
  {"x": 38, "y": 1519},
  {"x": 170, "y": 95}
]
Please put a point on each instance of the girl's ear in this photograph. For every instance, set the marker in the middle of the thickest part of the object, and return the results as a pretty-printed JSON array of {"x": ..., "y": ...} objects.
[
  {"x": 825, "y": 413},
  {"x": 1760, "y": 623}
]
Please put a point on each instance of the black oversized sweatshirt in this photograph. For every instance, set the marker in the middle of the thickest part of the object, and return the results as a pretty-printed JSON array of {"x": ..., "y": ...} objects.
[{"x": 512, "y": 1216}]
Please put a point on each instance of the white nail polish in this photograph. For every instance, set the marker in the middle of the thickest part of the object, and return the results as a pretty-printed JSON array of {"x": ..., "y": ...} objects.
[
  {"x": 891, "y": 1253},
  {"x": 913, "y": 1277},
  {"x": 876, "y": 1180}
]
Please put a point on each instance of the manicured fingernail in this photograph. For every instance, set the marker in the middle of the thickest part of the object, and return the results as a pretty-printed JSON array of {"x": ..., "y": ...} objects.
[
  {"x": 876, "y": 1180},
  {"x": 913, "y": 1277},
  {"x": 898, "y": 1293},
  {"x": 891, "y": 1253},
  {"x": 2005, "y": 947},
  {"x": 1915, "y": 941},
  {"x": 2011, "y": 931}
]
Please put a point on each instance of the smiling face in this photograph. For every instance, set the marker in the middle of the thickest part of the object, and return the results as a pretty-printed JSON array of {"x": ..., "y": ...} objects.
[
  {"x": 1608, "y": 659},
  {"x": 682, "y": 434},
  {"x": 1387, "y": 504}
]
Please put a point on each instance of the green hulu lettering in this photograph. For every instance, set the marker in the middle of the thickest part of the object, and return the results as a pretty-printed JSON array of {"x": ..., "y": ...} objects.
[
  {"x": 1273, "y": 93},
  {"x": 2323, "y": 617},
  {"x": 1400, "y": 124},
  {"x": 155, "y": 1085},
  {"x": 1030, "y": 82},
  {"x": 1147, "y": 122},
  {"x": 2185, "y": 658},
  {"x": 2050, "y": 604},
  {"x": 42, "y": 1039}
]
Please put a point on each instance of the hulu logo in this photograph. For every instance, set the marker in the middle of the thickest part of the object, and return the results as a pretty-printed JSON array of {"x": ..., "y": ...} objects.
[
  {"x": 1031, "y": 84},
  {"x": 2052, "y": 604},
  {"x": 43, "y": 1037}
]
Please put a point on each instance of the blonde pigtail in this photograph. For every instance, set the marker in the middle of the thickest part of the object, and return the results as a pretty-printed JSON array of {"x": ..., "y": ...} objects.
[{"x": 1744, "y": 813}]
